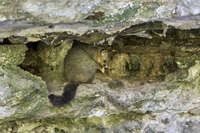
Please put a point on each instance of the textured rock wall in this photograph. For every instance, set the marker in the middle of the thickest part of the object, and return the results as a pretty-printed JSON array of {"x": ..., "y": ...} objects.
[{"x": 147, "y": 53}]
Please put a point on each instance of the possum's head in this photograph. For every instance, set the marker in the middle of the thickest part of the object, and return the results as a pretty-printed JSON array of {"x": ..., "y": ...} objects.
[{"x": 103, "y": 58}]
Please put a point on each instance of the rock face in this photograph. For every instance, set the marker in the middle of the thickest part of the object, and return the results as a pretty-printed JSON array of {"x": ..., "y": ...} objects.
[
  {"x": 145, "y": 54},
  {"x": 51, "y": 11},
  {"x": 19, "y": 89}
]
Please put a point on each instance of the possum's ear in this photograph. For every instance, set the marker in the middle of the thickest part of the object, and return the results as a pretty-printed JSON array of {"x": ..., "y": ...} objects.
[{"x": 68, "y": 94}]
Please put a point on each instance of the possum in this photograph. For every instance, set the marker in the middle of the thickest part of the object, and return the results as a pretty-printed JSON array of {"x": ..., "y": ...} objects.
[
  {"x": 79, "y": 68},
  {"x": 68, "y": 94}
]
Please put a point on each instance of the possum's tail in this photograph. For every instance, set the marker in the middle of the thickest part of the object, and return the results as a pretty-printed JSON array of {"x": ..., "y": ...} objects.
[{"x": 68, "y": 94}]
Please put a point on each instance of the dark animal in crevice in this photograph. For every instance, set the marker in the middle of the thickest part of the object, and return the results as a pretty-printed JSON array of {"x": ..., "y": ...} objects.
[
  {"x": 79, "y": 68},
  {"x": 68, "y": 94}
]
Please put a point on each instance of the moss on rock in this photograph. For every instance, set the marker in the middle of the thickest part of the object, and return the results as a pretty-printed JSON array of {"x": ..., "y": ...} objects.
[{"x": 12, "y": 54}]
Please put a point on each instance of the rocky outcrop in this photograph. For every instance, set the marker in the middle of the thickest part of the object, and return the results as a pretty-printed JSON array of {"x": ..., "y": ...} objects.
[{"x": 147, "y": 58}]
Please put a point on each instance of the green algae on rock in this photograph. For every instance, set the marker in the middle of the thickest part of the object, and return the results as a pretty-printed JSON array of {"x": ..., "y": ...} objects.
[
  {"x": 12, "y": 55},
  {"x": 21, "y": 92},
  {"x": 135, "y": 41}
]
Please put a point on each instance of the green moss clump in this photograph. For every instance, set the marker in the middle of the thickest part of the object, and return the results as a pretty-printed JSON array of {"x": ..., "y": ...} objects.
[
  {"x": 12, "y": 54},
  {"x": 128, "y": 13},
  {"x": 72, "y": 125}
]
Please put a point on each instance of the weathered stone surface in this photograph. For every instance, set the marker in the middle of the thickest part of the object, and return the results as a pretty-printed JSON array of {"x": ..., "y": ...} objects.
[
  {"x": 156, "y": 107},
  {"x": 148, "y": 65},
  {"x": 21, "y": 93},
  {"x": 12, "y": 55},
  {"x": 74, "y": 10},
  {"x": 32, "y": 17}
]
